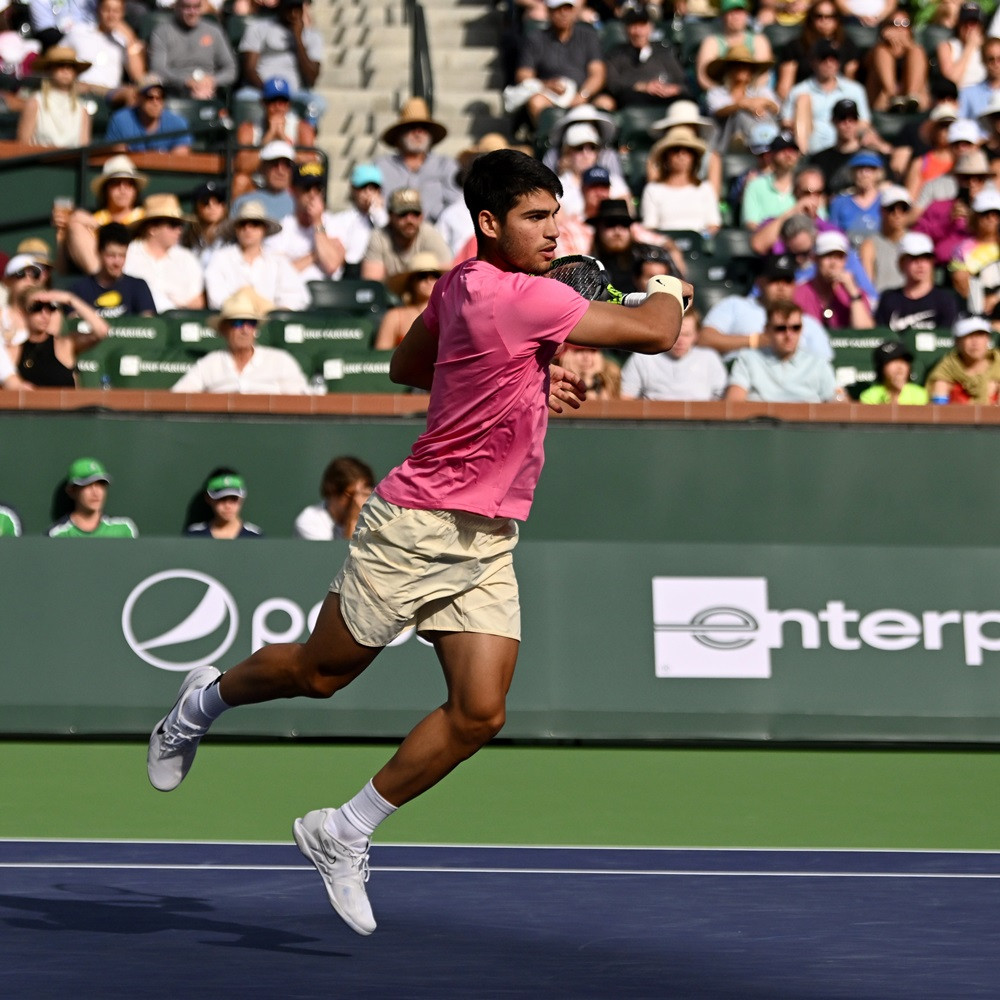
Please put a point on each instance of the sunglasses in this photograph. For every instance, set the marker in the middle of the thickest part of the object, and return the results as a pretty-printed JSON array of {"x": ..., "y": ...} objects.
[
  {"x": 807, "y": 191},
  {"x": 787, "y": 327},
  {"x": 824, "y": 15},
  {"x": 153, "y": 96},
  {"x": 408, "y": 213},
  {"x": 37, "y": 307},
  {"x": 28, "y": 272},
  {"x": 901, "y": 22},
  {"x": 239, "y": 324},
  {"x": 250, "y": 222}
]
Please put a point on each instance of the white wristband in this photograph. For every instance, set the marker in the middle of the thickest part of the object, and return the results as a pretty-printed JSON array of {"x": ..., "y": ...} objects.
[{"x": 669, "y": 285}]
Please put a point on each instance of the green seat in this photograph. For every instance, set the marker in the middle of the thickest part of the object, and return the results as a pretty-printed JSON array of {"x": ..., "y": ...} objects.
[
  {"x": 357, "y": 369},
  {"x": 197, "y": 114},
  {"x": 354, "y": 295},
  {"x": 780, "y": 34},
  {"x": 863, "y": 36},
  {"x": 891, "y": 126},
  {"x": 731, "y": 242},
  {"x": 693, "y": 34},
  {"x": 688, "y": 241},
  {"x": 634, "y": 124},
  {"x": 312, "y": 338},
  {"x": 612, "y": 34},
  {"x": 124, "y": 364},
  {"x": 736, "y": 165}
]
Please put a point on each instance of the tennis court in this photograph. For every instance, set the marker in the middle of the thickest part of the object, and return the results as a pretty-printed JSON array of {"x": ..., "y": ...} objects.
[{"x": 780, "y": 874}]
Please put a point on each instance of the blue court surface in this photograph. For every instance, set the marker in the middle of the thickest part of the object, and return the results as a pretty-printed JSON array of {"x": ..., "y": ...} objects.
[{"x": 139, "y": 919}]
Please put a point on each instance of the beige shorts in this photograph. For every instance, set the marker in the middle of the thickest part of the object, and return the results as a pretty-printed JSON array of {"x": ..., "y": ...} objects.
[{"x": 444, "y": 570}]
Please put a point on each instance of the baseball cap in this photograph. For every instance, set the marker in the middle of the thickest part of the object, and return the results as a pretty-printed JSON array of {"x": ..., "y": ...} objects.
[
  {"x": 634, "y": 13},
  {"x": 779, "y": 267},
  {"x": 277, "y": 150},
  {"x": 405, "y": 200},
  {"x": 734, "y": 5},
  {"x": 946, "y": 111},
  {"x": 311, "y": 174},
  {"x": 888, "y": 351},
  {"x": 988, "y": 200},
  {"x": 783, "y": 140},
  {"x": 226, "y": 486},
  {"x": 971, "y": 324},
  {"x": 596, "y": 177},
  {"x": 18, "y": 263},
  {"x": 832, "y": 241},
  {"x": 209, "y": 189},
  {"x": 964, "y": 130},
  {"x": 865, "y": 158},
  {"x": 895, "y": 194},
  {"x": 85, "y": 471},
  {"x": 969, "y": 12},
  {"x": 553, "y": 4},
  {"x": 151, "y": 81},
  {"x": 916, "y": 245},
  {"x": 275, "y": 88},
  {"x": 823, "y": 49},
  {"x": 844, "y": 109},
  {"x": 366, "y": 173}
]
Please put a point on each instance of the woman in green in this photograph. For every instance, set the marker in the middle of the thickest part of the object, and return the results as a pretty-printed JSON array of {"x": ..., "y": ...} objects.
[{"x": 893, "y": 365}]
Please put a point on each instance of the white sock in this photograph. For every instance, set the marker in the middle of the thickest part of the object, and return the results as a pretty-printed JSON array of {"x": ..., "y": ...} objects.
[
  {"x": 204, "y": 705},
  {"x": 355, "y": 821}
]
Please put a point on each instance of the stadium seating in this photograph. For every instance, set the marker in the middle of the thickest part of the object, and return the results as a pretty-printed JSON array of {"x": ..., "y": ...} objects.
[{"x": 353, "y": 295}]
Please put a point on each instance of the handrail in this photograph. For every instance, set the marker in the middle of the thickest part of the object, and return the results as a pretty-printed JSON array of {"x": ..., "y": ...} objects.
[{"x": 421, "y": 72}]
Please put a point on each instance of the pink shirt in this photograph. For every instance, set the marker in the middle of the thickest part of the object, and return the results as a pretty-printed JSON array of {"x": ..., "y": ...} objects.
[{"x": 482, "y": 451}]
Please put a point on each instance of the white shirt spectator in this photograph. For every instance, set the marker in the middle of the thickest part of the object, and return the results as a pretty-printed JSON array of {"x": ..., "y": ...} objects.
[
  {"x": 455, "y": 225},
  {"x": 271, "y": 275},
  {"x": 296, "y": 240},
  {"x": 316, "y": 524},
  {"x": 106, "y": 54},
  {"x": 269, "y": 371},
  {"x": 354, "y": 229},
  {"x": 698, "y": 375},
  {"x": 174, "y": 279}
]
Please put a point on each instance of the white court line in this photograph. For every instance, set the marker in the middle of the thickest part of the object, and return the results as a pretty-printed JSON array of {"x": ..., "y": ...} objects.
[{"x": 660, "y": 873}]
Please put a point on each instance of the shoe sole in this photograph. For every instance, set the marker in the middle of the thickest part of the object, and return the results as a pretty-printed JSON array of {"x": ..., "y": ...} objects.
[
  {"x": 307, "y": 845},
  {"x": 185, "y": 688}
]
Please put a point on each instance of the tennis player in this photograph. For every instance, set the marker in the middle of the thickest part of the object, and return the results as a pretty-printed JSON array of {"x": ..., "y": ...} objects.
[{"x": 434, "y": 543}]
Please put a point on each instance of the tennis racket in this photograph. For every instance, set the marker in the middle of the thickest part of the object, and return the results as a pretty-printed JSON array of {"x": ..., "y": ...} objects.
[{"x": 588, "y": 276}]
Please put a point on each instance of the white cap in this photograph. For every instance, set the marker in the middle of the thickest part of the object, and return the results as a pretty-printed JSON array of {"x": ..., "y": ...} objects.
[
  {"x": 988, "y": 200},
  {"x": 895, "y": 194},
  {"x": 965, "y": 130},
  {"x": 18, "y": 263},
  {"x": 277, "y": 150},
  {"x": 916, "y": 245},
  {"x": 946, "y": 111},
  {"x": 552, "y": 4},
  {"x": 579, "y": 133},
  {"x": 971, "y": 324},
  {"x": 832, "y": 241}
]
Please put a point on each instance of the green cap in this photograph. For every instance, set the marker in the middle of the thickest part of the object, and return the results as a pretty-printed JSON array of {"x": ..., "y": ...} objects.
[
  {"x": 85, "y": 471},
  {"x": 734, "y": 5},
  {"x": 226, "y": 486}
]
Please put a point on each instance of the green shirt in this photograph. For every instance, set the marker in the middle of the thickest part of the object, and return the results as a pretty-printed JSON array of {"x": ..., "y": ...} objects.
[
  {"x": 910, "y": 394},
  {"x": 10, "y": 524},
  {"x": 110, "y": 527}
]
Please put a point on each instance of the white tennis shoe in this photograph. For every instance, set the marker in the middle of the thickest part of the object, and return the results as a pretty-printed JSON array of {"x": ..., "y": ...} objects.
[
  {"x": 174, "y": 740},
  {"x": 344, "y": 870}
]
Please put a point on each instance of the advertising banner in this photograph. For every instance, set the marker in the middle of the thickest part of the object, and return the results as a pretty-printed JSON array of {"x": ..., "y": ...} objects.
[{"x": 621, "y": 641}]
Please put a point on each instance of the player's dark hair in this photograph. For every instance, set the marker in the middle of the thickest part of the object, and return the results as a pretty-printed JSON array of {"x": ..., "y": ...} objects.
[
  {"x": 113, "y": 232},
  {"x": 344, "y": 472},
  {"x": 498, "y": 180}
]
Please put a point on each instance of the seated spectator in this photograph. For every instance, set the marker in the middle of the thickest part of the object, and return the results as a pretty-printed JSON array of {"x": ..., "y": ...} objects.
[
  {"x": 41, "y": 253},
  {"x": 674, "y": 198},
  {"x": 880, "y": 252},
  {"x": 225, "y": 492},
  {"x": 50, "y": 21},
  {"x": 244, "y": 260},
  {"x": 980, "y": 249},
  {"x": 347, "y": 483},
  {"x": 615, "y": 246},
  {"x": 964, "y": 138},
  {"x": 973, "y": 100},
  {"x": 737, "y": 321},
  {"x": 19, "y": 52},
  {"x": 893, "y": 365},
  {"x": 857, "y": 212},
  {"x": 685, "y": 112},
  {"x": 47, "y": 358},
  {"x": 278, "y": 123},
  {"x": 734, "y": 30},
  {"x": 970, "y": 372},
  {"x": 173, "y": 273},
  {"x": 960, "y": 58},
  {"x": 116, "y": 55},
  {"x": 246, "y": 366},
  {"x": 9, "y": 379},
  {"x": 932, "y": 155},
  {"x": 897, "y": 67},
  {"x": 779, "y": 371},
  {"x": 110, "y": 291},
  {"x": 87, "y": 483},
  {"x": 640, "y": 70},
  {"x": 414, "y": 164},
  {"x": 809, "y": 190},
  {"x": 823, "y": 22},
  {"x": 391, "y": 250},
  {"x": 563, "y": 62},
  {"x": 414, "y": 288},
  {"x": 10, "y": 522},
  {"x": 149, "y": 127},
  {"x": 354, "y": 226},
  {"x": 740, "y": 96},
  {"x": 851, "y": 139},
  {"x": 56, "y": 115},
  {"x": 685, "y": 372},
  {"x": 191, "y": 54},
  {"x": 832, "y": 295},
  {"x": 602, "y": 377},
  {"x": 201, "y": 236},
  {"x": 772, "y": 192},
  {"x": 21, "y": 273},
  {"x": 808, "y": 109},
  {"x": 989, "y": 119},
  {"x": 117, "y": 190},
  {"x": 285, "y": 47},
  {"x": 308, "y": 237},
  {"x": 918, "y": 304},
  {"x": 277, "y": 167},
  {"x": 946, "y": 220}
]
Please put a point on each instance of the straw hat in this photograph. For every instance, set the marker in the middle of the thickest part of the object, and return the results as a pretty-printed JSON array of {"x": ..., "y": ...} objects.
[
  {"x": 37, "y": 248},
  {"x": 684, "y": 113},
  {"x": 414, "y": 112},
  {"x": 114, "y": 167},
  {"x": 605, "y": 124},
  {"x": 679, "y": 137},
  {"x": 738, "y": 55},
  {"x": 244, "y": 304},
  {"x": 60, "y": 55},
  {"x": 250, "y": 210},
  {"x": 422, "y": 262},
  {"x": 157, "y": 208},
  {"x": 489, "y": 143}
]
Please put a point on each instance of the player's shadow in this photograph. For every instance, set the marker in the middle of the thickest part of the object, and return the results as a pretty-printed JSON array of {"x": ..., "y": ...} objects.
[{"x": 132, "y": 912}]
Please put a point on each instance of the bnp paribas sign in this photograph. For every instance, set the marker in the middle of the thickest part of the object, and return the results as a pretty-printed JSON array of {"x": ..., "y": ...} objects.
[{"x": 724, "y": 627}]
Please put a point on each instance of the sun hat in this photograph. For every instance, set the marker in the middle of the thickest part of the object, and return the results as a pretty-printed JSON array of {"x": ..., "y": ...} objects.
[
  {"x": 679, "y": 137},
  {"x": 414, "y": 112},
  {"x": 684, "y": 112},
  {"x": 159, "y": 207},
  {"x": 114, "y": 168},
  {"x": 738, "y": 55},
  {"x": 611, "y": 210},
  {"x": 229, "y": 485},
  {"x": 423, "y": 262},
  {"x": 60, "y": 55},
  {"x": 85, "y": 471},
  {"x": 249, "y": 211},
  {"x": 579, "y": 133},
  {"x": 244, "y": 304},
  {"x": 37, "y": 249},
  {"x": 972, "y": 164},
  {"x": 605, "y": 125}
]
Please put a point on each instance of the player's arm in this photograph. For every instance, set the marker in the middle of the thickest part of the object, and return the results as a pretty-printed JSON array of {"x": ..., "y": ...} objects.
[
  {"x": 649, "y": 328},
  {"x": 412, "y": 362}
]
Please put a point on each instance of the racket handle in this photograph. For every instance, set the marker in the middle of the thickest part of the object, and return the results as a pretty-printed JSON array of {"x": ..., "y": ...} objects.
[{"x": 634, "y": 298}]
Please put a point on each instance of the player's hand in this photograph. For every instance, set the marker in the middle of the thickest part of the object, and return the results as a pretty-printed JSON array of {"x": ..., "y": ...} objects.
[{"x": 565, "y": 387}]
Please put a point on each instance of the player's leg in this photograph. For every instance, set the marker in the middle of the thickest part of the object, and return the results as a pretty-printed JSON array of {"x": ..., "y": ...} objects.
[{"x": 330, "y": 659}]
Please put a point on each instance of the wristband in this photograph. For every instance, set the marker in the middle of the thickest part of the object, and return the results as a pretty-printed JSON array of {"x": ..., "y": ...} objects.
[
  {"x": 939, "y": 400},
  {"x": 668, "y": 284}
]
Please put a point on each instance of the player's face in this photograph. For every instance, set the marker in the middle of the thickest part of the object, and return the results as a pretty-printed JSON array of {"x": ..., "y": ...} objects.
[{"x": 526, "y": 237}]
